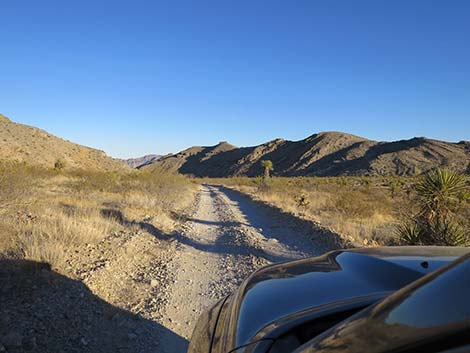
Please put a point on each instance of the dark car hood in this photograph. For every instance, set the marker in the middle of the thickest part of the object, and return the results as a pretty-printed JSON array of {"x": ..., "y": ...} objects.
[
  {"x": 430, "y": 314},
  {"x": 285, "y": 291}
]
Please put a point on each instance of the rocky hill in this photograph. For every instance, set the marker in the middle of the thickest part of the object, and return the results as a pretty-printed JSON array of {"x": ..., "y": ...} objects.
[
  {"x": 23, "y": 143},
  {"x": 322, "y": 154},
  {"x": 141, "y": 161}
]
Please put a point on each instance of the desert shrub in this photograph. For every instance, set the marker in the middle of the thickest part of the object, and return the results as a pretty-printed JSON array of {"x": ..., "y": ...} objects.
[
  {"x": 59, "y": 164},
  {"x": 352, "y": 204},
  {"x": 265, "y": 186},
  {"x": 17, "y": 182},
  {"x": 301, "y": 201},
  {"x": 395, "y": 185},
  {"x": 91, "y": 180},
  {"x": 51, "y": 237},
  {"x": 366, "y": 182},
  {"x": 435, "y": 221}
]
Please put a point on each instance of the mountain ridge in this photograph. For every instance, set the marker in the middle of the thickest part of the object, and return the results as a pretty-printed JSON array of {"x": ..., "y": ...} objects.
[{"x": 329, "y": 153}]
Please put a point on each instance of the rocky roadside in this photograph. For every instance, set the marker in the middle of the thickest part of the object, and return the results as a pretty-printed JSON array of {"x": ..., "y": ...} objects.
[
  {"x": 110, "y": 300},
  {"x": 212, "y": 259},
  {"x": 139, "y": 290}
]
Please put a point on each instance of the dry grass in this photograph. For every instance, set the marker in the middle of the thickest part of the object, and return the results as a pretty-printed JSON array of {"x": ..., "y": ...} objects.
[
  {"x": 52, "y": 235},
  {"x": 364, "y": 210},
  {"x": 46, "y": 214}
]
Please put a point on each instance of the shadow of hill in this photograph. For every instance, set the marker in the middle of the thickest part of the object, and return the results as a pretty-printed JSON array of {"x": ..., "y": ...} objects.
[
  {"x": 207, "y": 164},
  {"x": 44, "y": 311},
  {"x": 337, "y": 163},
  {"x": 325, "y": 154}
]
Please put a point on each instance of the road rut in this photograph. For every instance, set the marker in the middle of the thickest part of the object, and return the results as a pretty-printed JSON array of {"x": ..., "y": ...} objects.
[{"x": 227, "y": 237}]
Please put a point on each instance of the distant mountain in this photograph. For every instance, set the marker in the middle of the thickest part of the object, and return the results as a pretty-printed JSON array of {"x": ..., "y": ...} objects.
[
  {"x": 141, "y": 161},
  {"x": 322, "y": 154},
  {"x": 29, "y": 144}
]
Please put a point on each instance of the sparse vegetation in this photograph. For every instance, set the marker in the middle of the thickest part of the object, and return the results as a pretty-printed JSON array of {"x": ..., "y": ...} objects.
[
  {"x": 365, "y": 210},
  {"x": 45, "y": 215}
]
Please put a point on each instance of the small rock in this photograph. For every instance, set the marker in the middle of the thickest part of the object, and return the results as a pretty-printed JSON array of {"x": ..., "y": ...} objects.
[{"x": 154, "y": 283}]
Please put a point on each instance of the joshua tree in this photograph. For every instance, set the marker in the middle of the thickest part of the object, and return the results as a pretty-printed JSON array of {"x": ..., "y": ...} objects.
[
  {"x": 268, "y": 167},
  {"x": 434, "y": 224}
]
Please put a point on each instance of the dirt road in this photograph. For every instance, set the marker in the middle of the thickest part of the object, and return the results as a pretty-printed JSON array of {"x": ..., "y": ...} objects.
[
  {"x": 227, "y": 237},
  {"x": 141, "y": 290}
]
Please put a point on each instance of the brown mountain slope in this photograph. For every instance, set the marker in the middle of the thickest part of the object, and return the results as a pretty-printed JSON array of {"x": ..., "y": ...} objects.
[
  {"x": 322, "y": 154},
  {"x": 28, "y": 144}
]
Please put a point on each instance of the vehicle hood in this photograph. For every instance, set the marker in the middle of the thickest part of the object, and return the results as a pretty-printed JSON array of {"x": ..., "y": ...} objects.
[{"x": 286, "y": 291}]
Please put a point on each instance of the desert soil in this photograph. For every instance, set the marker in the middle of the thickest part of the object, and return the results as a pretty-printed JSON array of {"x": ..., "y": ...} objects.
[
  {"x": 227, "y": 238},
  {"x": 142, "y": 291}
]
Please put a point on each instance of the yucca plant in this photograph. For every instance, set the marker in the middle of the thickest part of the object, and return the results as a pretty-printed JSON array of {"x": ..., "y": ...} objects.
[
  {"x": 410, "y": 232},
  {"x": 438, "y": 191},
  {"x": 438, "y": 195},
  {"x": 448, "y": 232},
  {"x": 268, "y": 167}
]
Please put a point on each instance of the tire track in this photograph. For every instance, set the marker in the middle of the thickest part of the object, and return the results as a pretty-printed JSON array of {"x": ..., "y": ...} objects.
[{"x": 227, "y": 238}]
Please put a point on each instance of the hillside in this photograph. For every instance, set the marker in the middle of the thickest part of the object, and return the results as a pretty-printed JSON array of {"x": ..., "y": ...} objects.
[
  {"x": 141, "y": 161},
  {"x": 23, "y": 143},
  {"x": 322, "y": 154}
]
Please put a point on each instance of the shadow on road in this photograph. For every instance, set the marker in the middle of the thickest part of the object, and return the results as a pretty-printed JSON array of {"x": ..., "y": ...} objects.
[
  {"x": 44, "y": 311},
  {"x": 217, "y": 224},
  {"x": 257, "y": 212},
  {"x": 291, "y": 232},
  {"x": 223, "y": 245}
]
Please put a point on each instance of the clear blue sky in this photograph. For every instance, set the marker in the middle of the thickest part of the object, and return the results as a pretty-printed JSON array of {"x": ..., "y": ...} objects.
[{"x": 136, "y": 77}]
